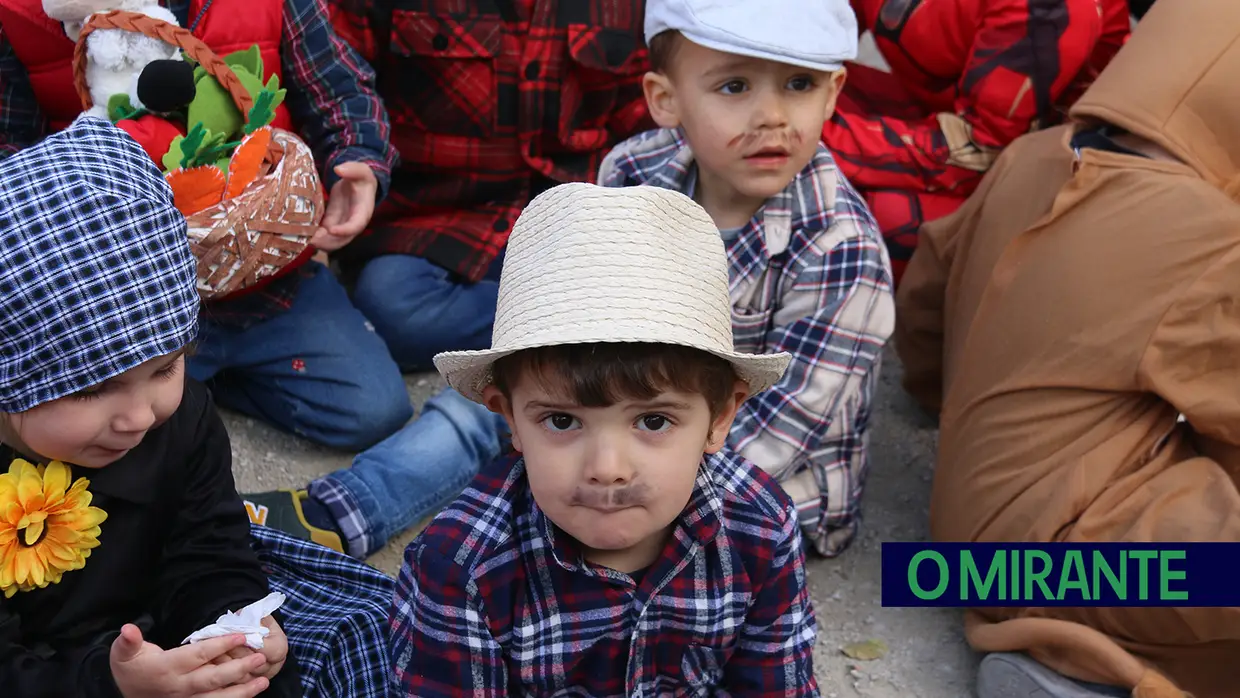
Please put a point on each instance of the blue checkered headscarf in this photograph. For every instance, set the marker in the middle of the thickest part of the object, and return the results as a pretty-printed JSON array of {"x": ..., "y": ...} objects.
[{"x": 96, "y": 274}]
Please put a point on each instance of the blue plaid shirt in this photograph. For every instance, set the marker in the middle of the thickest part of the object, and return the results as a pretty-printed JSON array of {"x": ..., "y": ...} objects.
[
  {"x": 494, "y": 600},
  {"x": 334, "y": 616},
  {"x": 809, "y": 275}
]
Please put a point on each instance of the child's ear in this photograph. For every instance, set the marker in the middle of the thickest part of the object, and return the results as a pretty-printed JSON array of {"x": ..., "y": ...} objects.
[
  {"x": 722, "y": 423},
  {"x": 661, "y": 99},
  {"x": 496, "y": 401},
  {"x": 837, "y": 80}
]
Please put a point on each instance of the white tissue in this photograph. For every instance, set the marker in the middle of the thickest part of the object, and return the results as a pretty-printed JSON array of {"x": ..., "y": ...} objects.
[{"x": 248, "y": 621}]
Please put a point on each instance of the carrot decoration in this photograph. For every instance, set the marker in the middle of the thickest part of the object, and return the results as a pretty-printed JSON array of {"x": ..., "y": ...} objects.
[
  {"x": 246, "y": 161},
  {"x": 196, "y": 189}
]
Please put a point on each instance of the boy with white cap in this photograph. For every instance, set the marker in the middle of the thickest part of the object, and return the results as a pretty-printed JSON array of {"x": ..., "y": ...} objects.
[
  {"x": 741, "y": 91},
  {"x": 622, "y": 550}
]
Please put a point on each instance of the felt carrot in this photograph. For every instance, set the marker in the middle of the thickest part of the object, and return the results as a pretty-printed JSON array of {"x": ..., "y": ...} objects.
[
  {"x": 246, "y": 161},
  {"x": 196, "y": 189}
]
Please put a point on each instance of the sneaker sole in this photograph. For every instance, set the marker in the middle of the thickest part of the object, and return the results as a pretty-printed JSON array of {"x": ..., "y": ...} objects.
[{"x": 1005, "y": 675}]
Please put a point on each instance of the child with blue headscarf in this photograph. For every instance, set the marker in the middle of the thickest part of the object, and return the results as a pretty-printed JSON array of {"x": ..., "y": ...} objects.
[{"x": 121, "y": 531}]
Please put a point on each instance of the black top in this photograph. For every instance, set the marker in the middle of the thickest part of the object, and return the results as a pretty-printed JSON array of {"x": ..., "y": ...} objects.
[
  {"x": 174, "y": 554},
  {"x": 1102, "y": 138}
]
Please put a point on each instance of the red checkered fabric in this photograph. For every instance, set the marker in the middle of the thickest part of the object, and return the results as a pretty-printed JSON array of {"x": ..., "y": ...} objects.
[{"x": 490, "y": 104}]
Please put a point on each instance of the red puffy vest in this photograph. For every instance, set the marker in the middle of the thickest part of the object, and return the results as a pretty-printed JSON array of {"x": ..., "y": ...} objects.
[{"x": 41, "y": 45}]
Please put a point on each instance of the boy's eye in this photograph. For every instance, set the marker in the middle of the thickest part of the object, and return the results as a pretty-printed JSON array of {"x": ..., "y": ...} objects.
[
  {"x": 733, "y": 87},
  {"x": 801, "y": 83},
  {"x": 654, "y": 422},
  {"x": 168, "y": 371},
  {"x": 560, "y": 422},
  {"x": 88, "y": 394}
]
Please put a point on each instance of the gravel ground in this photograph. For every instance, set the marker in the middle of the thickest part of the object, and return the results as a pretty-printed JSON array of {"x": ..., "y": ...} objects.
[{"x": 926, "y": 655}]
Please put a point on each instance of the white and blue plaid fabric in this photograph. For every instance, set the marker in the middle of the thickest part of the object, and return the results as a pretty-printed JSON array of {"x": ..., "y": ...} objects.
[
  {"x": 335, "y": 615},
  {"x": 96, "y": 274}
]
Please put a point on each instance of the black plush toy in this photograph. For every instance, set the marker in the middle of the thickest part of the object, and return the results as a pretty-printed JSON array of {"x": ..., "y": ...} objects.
[{"x": 166, "y": 86}]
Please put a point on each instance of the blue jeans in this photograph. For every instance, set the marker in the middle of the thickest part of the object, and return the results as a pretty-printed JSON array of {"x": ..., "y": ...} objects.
[
  {"x": 420, "y": 309},
  {"x": 317, "y": 370},
  {"x": 412, "y": 473}
]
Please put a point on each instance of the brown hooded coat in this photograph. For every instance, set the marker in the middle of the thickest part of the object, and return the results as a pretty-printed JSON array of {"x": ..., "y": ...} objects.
[{"x": 1063, "y": 319}]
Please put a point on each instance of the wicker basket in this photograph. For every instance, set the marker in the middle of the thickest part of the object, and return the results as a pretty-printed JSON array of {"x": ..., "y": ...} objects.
[{"x": 252, "y": 236}]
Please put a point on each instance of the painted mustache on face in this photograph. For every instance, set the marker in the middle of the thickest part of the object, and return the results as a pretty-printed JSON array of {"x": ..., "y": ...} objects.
[
  {"x": 754, "y": 142},
  {"x": 612, "y": 497}
]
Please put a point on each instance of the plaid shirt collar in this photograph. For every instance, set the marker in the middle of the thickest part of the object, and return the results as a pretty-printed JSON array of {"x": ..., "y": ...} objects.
[
  {"x": 697, "y": 527},
  {"x": 664, "y": 158}
]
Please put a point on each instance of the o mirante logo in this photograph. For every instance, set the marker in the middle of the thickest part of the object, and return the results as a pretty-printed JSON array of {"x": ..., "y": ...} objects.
[{"x": 1060, "y": 574}]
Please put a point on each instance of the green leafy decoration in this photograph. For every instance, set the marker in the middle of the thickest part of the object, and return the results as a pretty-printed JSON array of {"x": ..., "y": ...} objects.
[
  {"x": 250, "y": 60},
  {"x": 190, "y": 144},
  {"x": 216, "y": 152},
  {"x": 198, "y": 147},
  {"x": 273, "y": 86},
  {"x": 265, "y": 102},
  {"x": 262, "y": 113},
  {"x": 207, "y": 152},
  {"x": 120, "y": 108},
  {"x": 172, "y": 158}
]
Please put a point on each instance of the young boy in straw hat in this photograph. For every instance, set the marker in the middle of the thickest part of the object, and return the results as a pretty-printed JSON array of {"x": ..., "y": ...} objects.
[
  {"x": 622, "y": 550},
  {"x": 741, "y": 91}
]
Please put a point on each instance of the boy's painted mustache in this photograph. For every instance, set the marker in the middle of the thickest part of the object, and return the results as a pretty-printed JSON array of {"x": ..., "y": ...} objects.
[
  {"x": 605, "y": 498},
  {"x": 756, "y": 141}
]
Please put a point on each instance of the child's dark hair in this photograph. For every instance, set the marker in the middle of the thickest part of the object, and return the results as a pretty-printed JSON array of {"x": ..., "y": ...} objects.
[
  {"x": 602, "y": 374},
  {"x": 663, "y": 48}
]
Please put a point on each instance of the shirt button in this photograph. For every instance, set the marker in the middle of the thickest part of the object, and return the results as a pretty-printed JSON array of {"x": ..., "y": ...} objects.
[
  {"x": 440, "y": 42},
  {"x": 500, "y": 225},
  {"x": 531, "y": 70}
]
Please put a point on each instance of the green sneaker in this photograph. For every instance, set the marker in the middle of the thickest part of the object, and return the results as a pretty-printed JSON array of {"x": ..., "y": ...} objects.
[{"x": 281, "y": 510}]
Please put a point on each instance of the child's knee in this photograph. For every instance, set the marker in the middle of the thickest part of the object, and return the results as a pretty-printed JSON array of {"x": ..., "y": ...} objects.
[
  {"x": 476, "y": 423},
  {"x": 374, "y": 413}
]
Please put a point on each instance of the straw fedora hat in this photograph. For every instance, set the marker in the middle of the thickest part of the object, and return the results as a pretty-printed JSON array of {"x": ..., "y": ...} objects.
[{"x": 590, "y": 264}]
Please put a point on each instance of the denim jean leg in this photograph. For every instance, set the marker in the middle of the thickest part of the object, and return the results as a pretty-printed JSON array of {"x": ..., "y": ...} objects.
[
  {"x": 317, "y": 370},
  {"x": 497, "y": 267},
  {"x": 420, "y": 310},
  {"x": 416, "y": 471}
]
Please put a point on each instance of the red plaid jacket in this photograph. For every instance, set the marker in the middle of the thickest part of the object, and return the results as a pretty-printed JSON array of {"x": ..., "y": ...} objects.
[
  {"x": 491, "y": 102},
  {"x": 967, "y": 78}
]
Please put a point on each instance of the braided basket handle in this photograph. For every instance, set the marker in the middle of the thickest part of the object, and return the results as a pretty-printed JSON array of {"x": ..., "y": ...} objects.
[{"x": 168, "y": 33}]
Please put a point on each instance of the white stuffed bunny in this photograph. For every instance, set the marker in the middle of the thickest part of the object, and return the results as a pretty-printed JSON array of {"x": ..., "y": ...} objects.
[{"x": 114, "y": 58}]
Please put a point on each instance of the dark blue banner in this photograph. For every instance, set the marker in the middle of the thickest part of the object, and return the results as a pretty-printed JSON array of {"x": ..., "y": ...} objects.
[{"x": 1061, "y": 574}]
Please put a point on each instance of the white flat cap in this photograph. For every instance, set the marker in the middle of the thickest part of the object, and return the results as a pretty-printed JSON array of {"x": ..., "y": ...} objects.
[{"x": 814, "y": 34}]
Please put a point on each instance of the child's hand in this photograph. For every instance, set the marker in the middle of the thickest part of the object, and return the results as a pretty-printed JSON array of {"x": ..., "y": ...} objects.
[
  {"x": 275, "y": 649},
  {"x": 141, "y": 669},
  {"x": 274, "y": 652},
  {"x": 349, "y": 208}
]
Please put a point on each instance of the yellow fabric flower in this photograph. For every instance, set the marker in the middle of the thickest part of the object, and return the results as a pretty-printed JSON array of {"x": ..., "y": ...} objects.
[{"x": 47, "y": 526}]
